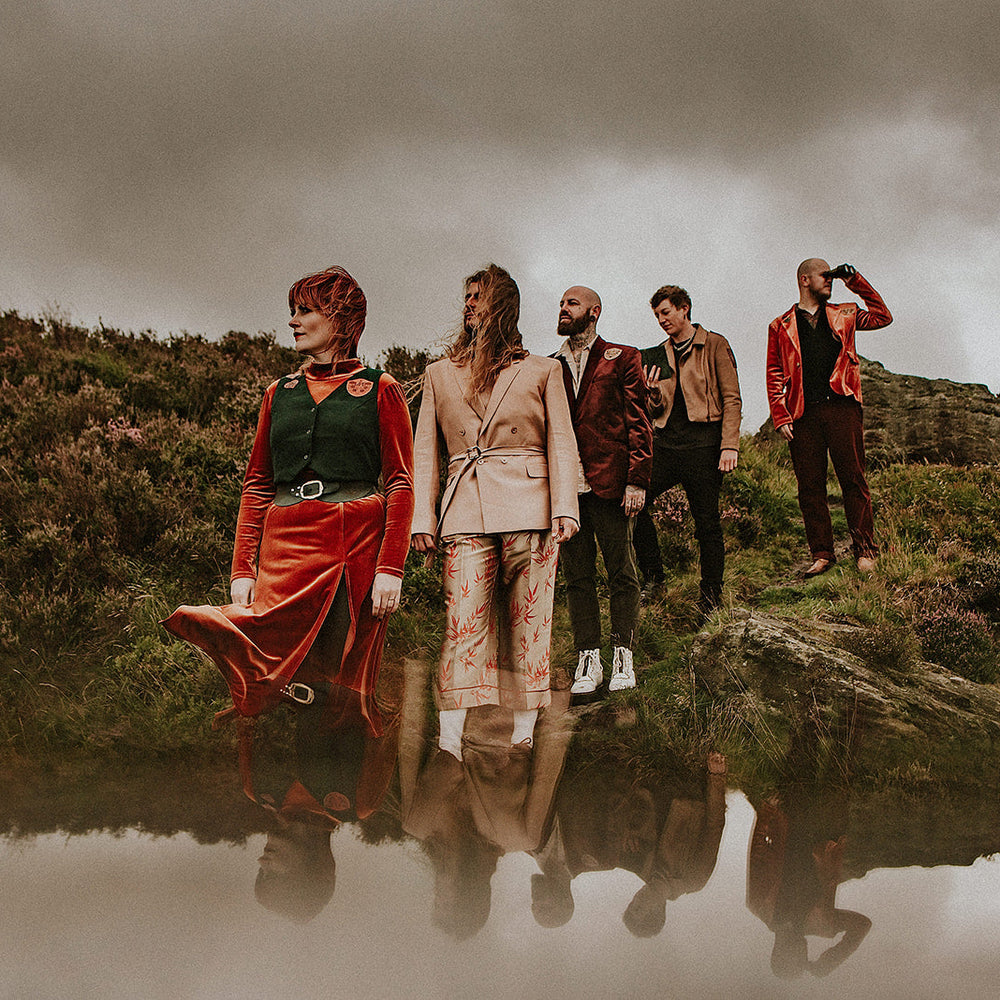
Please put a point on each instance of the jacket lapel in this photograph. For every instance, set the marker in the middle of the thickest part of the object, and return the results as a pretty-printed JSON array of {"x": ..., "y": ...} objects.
[
  {"x": 792, "y": 330},
  {"x": 463, "y": 384},
  {"x": 500, "y": 387},
  {"x": 597, "y": 349},
  {"x": 835, "y": 320}
]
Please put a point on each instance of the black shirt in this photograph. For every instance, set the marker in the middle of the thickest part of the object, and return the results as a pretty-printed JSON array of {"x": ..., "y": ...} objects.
[{"x": 820, "y": 350}]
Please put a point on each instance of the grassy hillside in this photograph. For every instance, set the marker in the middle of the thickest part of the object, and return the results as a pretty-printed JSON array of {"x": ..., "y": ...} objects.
[{"x": 120, "y": 464}]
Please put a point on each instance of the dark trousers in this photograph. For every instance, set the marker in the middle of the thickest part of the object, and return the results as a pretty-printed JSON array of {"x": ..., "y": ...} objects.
[
  {"x": 833, "y": 427},
  {"x": 605, "y": 523},
  {"x": 697, "y": 471}
]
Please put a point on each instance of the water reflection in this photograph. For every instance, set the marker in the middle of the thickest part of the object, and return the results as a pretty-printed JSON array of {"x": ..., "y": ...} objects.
[
  {"x": 341, "y": 774},
  {"x": 468, "y": 813},
  {"x": 796, "y": 863},
  {"x": 585, "y": 865},
  {"x": 663, "y": 825}
]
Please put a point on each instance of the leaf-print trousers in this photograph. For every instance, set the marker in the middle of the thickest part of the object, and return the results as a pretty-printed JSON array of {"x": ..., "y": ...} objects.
[{"x": 498, "y": 605}]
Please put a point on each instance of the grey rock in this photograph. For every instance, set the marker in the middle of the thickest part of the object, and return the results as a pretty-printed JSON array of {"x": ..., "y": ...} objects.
[{"x": 779, "y": 672}]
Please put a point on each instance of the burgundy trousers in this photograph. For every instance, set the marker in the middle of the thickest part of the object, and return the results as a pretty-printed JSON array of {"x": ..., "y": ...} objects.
[{"x": 833, "y": 428}]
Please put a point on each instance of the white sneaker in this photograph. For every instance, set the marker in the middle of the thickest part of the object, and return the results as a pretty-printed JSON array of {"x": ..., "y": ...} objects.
[
  {"x": 622, "y": 676},
  {"x": 589, "y": 672}
]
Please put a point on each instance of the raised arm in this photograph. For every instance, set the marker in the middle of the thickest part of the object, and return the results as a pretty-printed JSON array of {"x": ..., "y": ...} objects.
[{"x": 877, "y": 314}]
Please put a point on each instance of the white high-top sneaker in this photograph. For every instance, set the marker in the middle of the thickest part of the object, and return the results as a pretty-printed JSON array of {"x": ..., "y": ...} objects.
[
  {"x": 622, "y": 676},
  {"x": 589, "y": 672}
]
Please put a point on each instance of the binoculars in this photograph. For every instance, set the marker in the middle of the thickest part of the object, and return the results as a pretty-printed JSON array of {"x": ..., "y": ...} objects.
[{"x": 843, "y": 271}]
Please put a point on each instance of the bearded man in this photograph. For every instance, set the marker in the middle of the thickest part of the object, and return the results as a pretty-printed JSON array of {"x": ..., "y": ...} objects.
[
  {"x": 499, "y": 416},
  {"x": 607, "y": 398}
]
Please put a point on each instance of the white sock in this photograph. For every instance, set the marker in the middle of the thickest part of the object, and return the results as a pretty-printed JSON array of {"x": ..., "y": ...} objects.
[
  {"x": 452, "y": 722},
  {"x": 524, "y": 726}
]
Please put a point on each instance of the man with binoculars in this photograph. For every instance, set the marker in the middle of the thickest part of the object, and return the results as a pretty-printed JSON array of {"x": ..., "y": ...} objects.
[{"x": 814, "y": 391}]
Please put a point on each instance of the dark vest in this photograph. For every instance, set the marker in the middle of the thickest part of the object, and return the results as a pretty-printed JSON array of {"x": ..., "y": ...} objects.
[{"x": 337, "y": 439}]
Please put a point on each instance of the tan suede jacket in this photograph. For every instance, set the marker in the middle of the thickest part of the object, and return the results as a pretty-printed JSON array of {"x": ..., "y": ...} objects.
[{"x": 709, "y": 380}]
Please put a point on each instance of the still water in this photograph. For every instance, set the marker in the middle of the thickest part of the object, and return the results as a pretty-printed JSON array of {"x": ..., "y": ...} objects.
[
  {"x": 132, "y": 914},
  {"x": 594, "y": 862}
]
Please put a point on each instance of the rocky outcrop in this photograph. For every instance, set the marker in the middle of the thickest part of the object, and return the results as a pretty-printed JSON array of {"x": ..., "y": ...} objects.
[
  {"x": 913, "y": 419},
  {"x": 777, "y": 674},
  {"x": 928, "y": 420}
]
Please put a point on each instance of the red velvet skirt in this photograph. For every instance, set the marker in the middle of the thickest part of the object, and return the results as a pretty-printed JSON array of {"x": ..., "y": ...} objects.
[{"x": 306, "y": 550}]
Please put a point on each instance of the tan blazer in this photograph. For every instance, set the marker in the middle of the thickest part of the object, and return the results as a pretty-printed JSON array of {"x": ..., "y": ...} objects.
[{"x": 512, "y": 459}]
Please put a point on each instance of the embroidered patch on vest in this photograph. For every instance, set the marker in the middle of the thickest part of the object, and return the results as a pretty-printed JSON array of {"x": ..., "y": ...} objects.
[
  {"x": 611, "y": 353},
  {"x": 292, "y": 383},
  {"x": 359, "y": 386}
]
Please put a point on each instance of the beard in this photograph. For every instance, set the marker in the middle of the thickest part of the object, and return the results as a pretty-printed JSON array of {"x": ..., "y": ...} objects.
[{"x": 574, "y": 326}]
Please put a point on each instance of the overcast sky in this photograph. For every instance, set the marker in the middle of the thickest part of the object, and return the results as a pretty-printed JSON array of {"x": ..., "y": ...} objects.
[{"x": 176, "y": 165}]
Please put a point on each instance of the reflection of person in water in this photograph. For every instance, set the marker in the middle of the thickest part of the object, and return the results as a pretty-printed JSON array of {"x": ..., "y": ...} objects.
[
  {"x": 794, "y": 868},
  {"x": 469, "y": 812},
  {"x": 297, "y": 871},
  {"x": 341, "y": 775},
  {"x": 665, "y": 829}
]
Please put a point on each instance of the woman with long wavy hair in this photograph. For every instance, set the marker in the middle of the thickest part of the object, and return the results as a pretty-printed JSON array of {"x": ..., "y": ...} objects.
[{"x": 501, "y": 417}]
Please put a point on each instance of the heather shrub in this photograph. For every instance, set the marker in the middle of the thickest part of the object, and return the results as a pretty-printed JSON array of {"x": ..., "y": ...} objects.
[
  {"x": 887, "y": 647},
  {"x": 121, "y": 458},
  {"x": 959, "y": 639}
]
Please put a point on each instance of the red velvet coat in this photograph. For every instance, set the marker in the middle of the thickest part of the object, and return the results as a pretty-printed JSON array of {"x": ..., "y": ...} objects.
[
  {"x": 613, "y": 432},
  {"x": 784, "y": 354}
]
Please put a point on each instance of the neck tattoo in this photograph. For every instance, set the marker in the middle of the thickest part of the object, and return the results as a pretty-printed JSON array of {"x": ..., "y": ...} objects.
[{"x": 578, "y": 341}]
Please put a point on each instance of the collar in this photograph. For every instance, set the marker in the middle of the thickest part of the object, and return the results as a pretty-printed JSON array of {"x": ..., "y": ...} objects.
[
  {"x": 346, "y": 365},
  {"x": 697, "y": 340},
  {"x": 335, "y": 369}
]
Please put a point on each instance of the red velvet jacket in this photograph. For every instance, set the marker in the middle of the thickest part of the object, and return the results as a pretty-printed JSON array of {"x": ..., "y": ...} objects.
[
  {"x": 784, "y": 355},
  {"x": 613, "y": 432}
]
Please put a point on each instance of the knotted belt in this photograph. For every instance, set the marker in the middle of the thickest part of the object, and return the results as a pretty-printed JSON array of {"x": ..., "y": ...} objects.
[{"x": 476, "y": 455}]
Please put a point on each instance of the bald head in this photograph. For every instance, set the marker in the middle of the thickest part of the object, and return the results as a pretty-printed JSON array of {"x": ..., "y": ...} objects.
[
  {"x": 578, "y": 311},
  {"x": 583, "y": 294},
  {"x": 813, "y": 265},
  {"x": 814, "y": 284}
]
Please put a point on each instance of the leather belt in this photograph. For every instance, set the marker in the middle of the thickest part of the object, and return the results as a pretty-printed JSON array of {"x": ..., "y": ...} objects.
[
  {"x": 287, "y": 494},
  {"x": 306, "y": 694}
]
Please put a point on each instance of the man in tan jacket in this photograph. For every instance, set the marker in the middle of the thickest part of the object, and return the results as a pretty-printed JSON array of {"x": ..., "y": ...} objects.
[
  {"x": 499, "y": 416},
  {"x": 694, "y": 401}
]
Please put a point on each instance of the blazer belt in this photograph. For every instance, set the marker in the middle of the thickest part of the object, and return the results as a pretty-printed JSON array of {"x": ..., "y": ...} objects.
[{"x": 469, "y": 458}]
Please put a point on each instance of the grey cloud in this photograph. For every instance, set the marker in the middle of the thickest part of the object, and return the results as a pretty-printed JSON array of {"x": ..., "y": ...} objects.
[{"x": 177, "y": 164}]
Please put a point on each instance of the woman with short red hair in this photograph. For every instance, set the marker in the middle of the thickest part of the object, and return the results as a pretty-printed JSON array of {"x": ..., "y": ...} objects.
[{"x": 318, "y": 559}]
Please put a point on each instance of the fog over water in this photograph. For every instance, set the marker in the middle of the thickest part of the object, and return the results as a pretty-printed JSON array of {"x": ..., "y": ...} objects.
[{"x": 177, "y": 165}]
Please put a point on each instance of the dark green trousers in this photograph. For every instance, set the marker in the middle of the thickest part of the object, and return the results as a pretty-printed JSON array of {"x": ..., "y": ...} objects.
[{"x": 602, "y": 522}]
